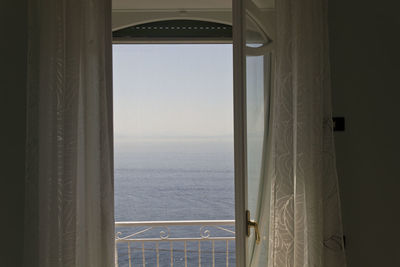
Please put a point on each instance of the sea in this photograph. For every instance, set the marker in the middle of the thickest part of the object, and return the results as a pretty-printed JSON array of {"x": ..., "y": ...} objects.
[{"x": 179, "y": 179}]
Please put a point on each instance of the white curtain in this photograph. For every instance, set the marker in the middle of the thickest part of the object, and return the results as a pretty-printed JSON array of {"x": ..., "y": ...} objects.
[
  {"x": 69, "y": 176},
  {"x": 299, "y": 207}
]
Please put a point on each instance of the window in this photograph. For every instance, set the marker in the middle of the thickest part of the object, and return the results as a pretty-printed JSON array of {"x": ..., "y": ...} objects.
[{"x": 173, "y": 120}]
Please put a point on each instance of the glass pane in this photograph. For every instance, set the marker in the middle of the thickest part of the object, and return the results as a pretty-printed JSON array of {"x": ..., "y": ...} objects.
[
  {"x": 255, "y": 126},
  {"x": 258, "y": 86}
]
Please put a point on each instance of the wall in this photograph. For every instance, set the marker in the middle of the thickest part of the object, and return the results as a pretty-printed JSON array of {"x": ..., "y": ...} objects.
[
  {"x": 365, "y": 62},
  {"x": 13, "y": 52}
]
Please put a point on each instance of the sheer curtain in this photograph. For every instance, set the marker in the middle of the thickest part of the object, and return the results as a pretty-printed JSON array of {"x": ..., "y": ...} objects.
[
  {"x": 69, "y": 177},
  {"x": 299, "y": 207}
]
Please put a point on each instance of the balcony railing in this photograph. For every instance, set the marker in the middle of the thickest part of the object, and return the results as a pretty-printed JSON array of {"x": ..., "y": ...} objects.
[{"x": 179, "y": 243}]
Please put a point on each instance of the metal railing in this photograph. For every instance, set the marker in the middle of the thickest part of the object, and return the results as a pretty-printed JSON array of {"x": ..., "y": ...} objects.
[{"x": 179, "y": 243}]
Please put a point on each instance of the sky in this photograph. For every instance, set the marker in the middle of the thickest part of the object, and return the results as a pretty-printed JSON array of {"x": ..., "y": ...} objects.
[{"x": 172, "y": 92}]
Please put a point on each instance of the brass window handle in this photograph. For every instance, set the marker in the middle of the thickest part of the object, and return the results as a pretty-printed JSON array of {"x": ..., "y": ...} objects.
[{"x": 254, "y": 224}]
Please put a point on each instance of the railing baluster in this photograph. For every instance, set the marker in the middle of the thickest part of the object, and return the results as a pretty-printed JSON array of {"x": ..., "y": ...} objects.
[
  {"x": 116, "y": 254},
  {"x": 213, "y": 253},
  {"x": 143, "y": 256},
  {"x": 199, "y": 254},
  {"x": 227, "y": 253},
  {"x": 171, "y": 248},
  {"x": 185, "y": 254},
  {"x": 129, "y": 254},
  {"x": 158, "y": 255}
]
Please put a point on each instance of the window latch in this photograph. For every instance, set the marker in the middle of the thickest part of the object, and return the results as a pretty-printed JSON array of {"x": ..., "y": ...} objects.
[{"x": 254, "y": 224}]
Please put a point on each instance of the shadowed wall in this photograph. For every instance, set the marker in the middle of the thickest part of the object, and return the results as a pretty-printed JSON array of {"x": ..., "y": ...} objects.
[
  {"x": 365, "y": 60},
  {"x": 13, "y": 54}
]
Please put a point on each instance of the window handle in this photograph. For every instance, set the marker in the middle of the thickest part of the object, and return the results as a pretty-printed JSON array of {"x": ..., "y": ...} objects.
[{"x": 254, "y": 224}]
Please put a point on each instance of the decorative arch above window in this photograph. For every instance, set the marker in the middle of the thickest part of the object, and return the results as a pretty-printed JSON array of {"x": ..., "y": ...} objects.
[{"x": 175, "y": 30}]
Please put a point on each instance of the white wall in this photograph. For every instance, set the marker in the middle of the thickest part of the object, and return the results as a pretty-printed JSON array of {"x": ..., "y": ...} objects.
[
  {"x": 365, "y": 61},
  {"x": 13, "y": 54}
]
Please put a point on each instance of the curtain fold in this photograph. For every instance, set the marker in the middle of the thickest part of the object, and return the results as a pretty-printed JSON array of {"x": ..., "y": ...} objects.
[
  {"x": 69, "y": 178},
  {"x": 299, "y": 210}
]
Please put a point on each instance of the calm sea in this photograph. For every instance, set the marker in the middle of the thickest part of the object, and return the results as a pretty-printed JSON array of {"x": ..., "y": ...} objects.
[{"x": 175, "y": 180}]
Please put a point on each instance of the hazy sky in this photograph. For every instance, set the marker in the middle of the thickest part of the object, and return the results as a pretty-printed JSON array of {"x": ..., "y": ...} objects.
[{"x": 169, "y": 92}]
